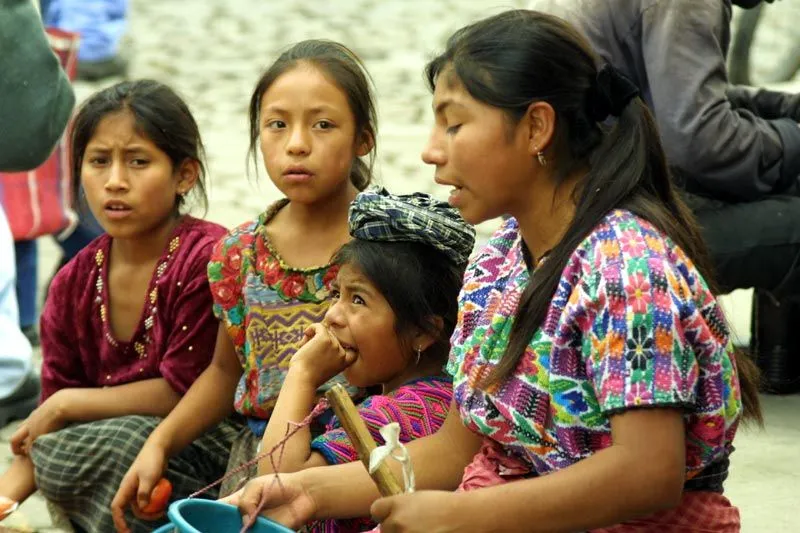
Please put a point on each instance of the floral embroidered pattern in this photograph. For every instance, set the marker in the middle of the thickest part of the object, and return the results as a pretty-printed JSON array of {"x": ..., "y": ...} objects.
[
  {"x": 265, "y": 306},
  {"x": 632, "y": 323}
]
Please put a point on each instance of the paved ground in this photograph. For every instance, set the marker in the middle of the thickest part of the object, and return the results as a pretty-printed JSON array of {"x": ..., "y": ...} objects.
[{"x": 212, "y": 51}]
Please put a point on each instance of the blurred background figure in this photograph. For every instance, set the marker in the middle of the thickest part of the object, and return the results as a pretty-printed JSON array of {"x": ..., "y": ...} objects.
[
  {"x": 101, "y": 25},
  {"x": 36, "y": 97}
]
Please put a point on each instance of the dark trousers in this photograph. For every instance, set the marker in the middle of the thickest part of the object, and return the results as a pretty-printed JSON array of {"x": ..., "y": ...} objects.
[
  {"x": 757, "y": 245},
  {"x": 754, "y": 244}
]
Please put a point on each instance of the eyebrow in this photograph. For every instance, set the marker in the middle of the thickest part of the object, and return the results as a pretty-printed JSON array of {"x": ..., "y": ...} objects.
[
  {"x": 444, "y": 104},
  {"x": 324, "y": 108},
  {"x": 357, "y": 286},
  {"x": 127, "y": 149}
]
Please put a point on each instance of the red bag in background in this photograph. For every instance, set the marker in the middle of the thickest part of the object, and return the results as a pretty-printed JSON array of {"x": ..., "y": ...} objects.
[{"x": 39, "y": 202}]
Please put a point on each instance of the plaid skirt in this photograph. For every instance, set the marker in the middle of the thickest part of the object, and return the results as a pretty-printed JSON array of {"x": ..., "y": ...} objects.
[
  {"x": 79, "y": 468},
  {"x": 244, "y": 449}
]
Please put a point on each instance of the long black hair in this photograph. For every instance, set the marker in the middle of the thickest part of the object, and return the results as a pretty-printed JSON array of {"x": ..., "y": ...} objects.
[{"x": 519, "y": 57}]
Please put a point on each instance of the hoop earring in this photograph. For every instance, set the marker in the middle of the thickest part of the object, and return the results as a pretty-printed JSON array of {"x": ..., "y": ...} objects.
[{"x": 542, "y": 160}]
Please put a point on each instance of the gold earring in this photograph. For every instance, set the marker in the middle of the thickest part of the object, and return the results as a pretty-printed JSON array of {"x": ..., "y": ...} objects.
[
  {"x": 542, "y": 160},
  {"x": 419, "y": 354}
]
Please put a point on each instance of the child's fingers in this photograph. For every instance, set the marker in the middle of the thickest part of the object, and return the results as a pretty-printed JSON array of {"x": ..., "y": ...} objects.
[
  {"x": 309, "y": 333},
  {"x": 125, "y": 494},
  {"x": 18, "y": 440}
]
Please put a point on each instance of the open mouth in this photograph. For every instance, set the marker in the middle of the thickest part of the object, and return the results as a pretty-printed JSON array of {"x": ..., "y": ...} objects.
[
  {"x": 348, "y": 347},
  {"x": 116, "y": 205}
]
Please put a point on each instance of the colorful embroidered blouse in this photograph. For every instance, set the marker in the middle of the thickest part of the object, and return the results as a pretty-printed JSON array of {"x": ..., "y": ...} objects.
[
  {"x": 632, "y": 324},
  {"x": 176, "y": 334},
  {"x": 266, "y": 305},
  {"x": 419, "y": 406}
]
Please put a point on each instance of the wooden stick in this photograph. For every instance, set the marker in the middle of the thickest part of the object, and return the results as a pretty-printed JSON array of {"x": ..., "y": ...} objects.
[{"x": 354, "y": 426}]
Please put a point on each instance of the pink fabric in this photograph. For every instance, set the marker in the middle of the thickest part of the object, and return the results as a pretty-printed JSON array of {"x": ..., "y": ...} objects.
[
  {"x": 78, "y": 348},
  {"x": 492, "y": 466},
  {"x": 698, "y": 512}
]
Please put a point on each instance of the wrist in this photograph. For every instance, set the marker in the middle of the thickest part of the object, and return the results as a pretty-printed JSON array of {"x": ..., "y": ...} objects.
[
  {"x": 159, "y": 442},
  {"x": 301, "y": 376}
]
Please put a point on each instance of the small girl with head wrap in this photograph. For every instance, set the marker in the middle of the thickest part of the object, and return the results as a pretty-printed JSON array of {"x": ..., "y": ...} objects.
[{"x": 394, "y": 309}]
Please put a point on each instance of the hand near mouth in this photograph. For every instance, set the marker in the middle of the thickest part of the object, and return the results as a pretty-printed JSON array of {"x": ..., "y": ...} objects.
[{"x": 321, "y": 355}]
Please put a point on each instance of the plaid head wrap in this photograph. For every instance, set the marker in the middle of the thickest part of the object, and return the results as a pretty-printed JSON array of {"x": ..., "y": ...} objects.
[{"x": 377, "y": 215}]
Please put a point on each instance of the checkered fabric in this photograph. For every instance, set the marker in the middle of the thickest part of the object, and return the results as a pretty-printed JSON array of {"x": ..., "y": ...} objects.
[
  {"x": 377, "y": 215},
  {"x": 79, "y": 468}
]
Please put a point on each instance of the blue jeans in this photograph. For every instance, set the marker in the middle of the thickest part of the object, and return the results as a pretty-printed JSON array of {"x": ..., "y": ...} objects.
[
  {"x": 101, "y": 23},
  {"x": 27, "y": 262}
]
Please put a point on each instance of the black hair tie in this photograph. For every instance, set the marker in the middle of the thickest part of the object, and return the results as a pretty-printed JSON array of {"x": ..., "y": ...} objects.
[{"x": 611, "y": 93}]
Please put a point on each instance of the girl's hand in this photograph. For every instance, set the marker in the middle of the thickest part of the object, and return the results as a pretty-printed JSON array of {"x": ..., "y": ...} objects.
[
  {"x": 322, "y": 356},
  {"x": 288, "y": 502},
  {"x": 424, "y": 512},
  {"x": 46, "y": 418},
  {"x": 137, "y": 486}
]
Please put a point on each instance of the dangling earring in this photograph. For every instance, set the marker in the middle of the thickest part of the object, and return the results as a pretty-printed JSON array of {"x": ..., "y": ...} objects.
[
  {"x": 419, "y": 354},
  {"x": 542, "y": 160}
]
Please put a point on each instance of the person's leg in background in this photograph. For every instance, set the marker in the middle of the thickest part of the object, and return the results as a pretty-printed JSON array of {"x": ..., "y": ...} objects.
[
  {"x": 101, "y": 24},
  {"x": 19, "y": 383},
  {"x": 27, "y": 277},
  {"x": 757, "y": 245}
]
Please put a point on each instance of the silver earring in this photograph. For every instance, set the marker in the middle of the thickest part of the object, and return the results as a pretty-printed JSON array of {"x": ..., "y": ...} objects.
[
  {"x": 542, "y": 160},
  {"x": 419, "y": 354}
]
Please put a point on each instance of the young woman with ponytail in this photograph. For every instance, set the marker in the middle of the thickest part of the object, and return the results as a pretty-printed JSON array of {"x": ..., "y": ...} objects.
[{"x": 595, "y": 384}]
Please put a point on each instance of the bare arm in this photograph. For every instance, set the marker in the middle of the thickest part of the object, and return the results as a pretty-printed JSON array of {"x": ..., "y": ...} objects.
[
  {"x": 319, "y": 359},
  {"x": 296, "y": 399},
  {"x": 640, "y": 474},
  {"x": 207, "y": 402},
  {"x": 153, "y": 397}
]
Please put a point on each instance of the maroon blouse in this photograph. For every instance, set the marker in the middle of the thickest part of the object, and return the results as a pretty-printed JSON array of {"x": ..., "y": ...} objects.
[{"x": 176, "y": 334}]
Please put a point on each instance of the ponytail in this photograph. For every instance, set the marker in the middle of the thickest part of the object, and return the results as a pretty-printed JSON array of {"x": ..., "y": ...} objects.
[{"x": 627, "y": 169}]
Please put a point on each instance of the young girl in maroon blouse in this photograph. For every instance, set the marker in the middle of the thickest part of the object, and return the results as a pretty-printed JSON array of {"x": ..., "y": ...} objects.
[{"x": 127, "y": 326}]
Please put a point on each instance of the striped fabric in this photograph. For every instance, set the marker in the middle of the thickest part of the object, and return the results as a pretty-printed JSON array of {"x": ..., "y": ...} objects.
[
  {"x": 39, "y": 202},
  {"x": 377, "y": 215},
  {"x": 78, "y": 469},
  {"x": 420, "y": 407}
]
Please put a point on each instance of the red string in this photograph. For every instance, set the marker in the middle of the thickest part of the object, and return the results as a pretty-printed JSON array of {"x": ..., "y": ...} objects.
[{"x": 291, "y": 429}]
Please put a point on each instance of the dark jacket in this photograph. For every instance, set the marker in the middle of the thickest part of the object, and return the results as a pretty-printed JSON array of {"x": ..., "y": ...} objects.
[
  {"x": 728, "y": 142},
  {"x": 36, "y": 98}
]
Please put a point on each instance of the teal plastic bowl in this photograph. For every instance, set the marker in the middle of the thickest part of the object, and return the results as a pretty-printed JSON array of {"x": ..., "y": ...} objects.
[{"x": 209, "y": 516}]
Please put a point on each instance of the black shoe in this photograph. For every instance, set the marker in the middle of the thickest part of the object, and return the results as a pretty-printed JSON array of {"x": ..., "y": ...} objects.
[
  {"x": 775, "y": 344},
  {"x": 22, "y": 402},
  {"x": 105, "y": 68},
  {"x": 31, "y": 334}
]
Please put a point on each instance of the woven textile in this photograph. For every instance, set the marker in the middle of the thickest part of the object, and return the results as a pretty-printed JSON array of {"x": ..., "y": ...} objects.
[
  {"x": 632, "y": 324},
  {"x": 79, "y": 468},
  {"x": 377, "y": 215},
  {"x": 420, "y": 407}
]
